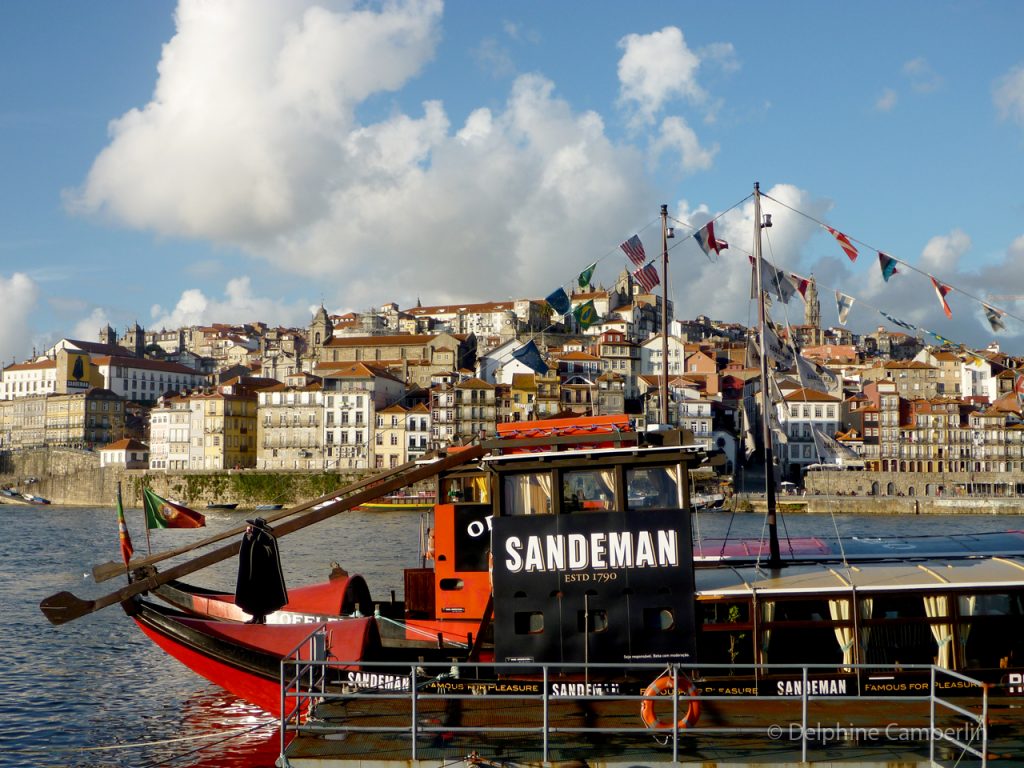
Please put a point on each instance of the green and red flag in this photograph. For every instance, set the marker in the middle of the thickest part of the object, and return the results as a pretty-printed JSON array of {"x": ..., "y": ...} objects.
[
  {"x": 161, "y": 513},
  {"x": 122, "y": 531}
]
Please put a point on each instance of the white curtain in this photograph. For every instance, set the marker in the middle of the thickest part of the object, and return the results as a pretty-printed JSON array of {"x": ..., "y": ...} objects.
[
  {"x": 968, "y": 605},
  {"x": 840, "y": 611},
  {"x": 937, "y": 607},
  {"x": 867, "y": 605},
  {"x": 528, "y": 494},
  {"x": 767, "y": 615}
]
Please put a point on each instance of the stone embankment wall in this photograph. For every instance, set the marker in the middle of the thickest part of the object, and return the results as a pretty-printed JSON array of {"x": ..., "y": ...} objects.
[
  {"x": 888, "y": 505},
  {"x": 73, "y": 477}
]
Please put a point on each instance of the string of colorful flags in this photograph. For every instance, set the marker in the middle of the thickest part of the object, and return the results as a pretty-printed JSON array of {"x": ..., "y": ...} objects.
[{"x": 888, "y": 266}]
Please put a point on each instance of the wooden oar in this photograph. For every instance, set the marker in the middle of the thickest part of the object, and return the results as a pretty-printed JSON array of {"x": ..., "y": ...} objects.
[
  {"x": 112, "y": 568},
  {"x": 64, "y": 606}
]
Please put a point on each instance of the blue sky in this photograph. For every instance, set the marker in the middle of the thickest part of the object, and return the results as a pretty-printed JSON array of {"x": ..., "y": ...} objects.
[{"x": 236, "y": 161}]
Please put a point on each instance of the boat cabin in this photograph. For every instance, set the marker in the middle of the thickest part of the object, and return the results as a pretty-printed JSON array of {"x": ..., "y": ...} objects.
[{"x": 587, "y": 551}]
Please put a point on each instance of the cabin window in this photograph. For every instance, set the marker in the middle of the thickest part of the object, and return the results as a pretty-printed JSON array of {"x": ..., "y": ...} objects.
[
  {"x": 593, "y": 620},
  {"x": 450, "y": 585},
  {"x": 589, "y": 490},
  {"x": 726, "y": 634},
  {"x": 659, "y": 619},
  {"x": 653, "y": 488},
  {"x": 991, "y": 630},
  {"x": 799, "y": 632},
  {"x": 528, "y": 493},
  {"x": 895, "y": 629},
  {"x": 528, "y": 622}
]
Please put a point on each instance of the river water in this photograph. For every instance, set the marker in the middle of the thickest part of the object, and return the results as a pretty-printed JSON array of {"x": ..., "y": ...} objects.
[{"x": 97, "y": 692}]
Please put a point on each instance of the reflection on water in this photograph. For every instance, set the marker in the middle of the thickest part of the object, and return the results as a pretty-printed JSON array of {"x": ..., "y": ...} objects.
[{"x": 96, "y": 692}]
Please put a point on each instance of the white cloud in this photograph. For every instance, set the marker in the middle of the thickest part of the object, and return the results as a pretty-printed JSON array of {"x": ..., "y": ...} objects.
[
  {"x": 253, "y": 135},
  {"x": 1008, "y": 95},
  {"x": 887, "y": 101},
  {"x": 656, "y": 68},
  {"x": 923, "y": 78},
  {"x": 238, "y": 305},
  {"x": 677, "y": 136},
  {"x": 18, "y": 296},
  {"x": 942, "y": 254},
  {"x": 88, "y": 328}
]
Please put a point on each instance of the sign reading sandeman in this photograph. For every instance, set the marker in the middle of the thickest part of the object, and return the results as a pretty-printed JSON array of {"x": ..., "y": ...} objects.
[{"x": 602, "y": 586}]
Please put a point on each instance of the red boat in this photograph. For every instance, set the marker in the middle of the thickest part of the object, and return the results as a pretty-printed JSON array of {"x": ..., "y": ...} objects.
[{"x": 245, "y": 658}]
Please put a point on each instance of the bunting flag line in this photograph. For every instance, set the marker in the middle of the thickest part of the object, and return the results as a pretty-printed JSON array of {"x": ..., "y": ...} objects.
[
  {"x": 995, "y": 318},
  {"x": 828, "y": 447},
  {"x": 647, "y": 277},
  {"x": 529, "y": 355},
  {"x": 586, "y": 314},
  {"x": 844, "y": 243},
  {"x": 900, "y": 323},
  {"x": 943, "y": 340},
  {"x": 814, "y": 376},
  {"x": 122, "y": 532},
  {"x": 559, "y": 301},
  {"x": 775, "y": 282},
  {"x": 941, "y": 291},
  {"x": 844, "y": 304},
  {"x": 749, "y": 441},
  {"x": 776, "y": 349},
  {"x": 705, "y": 237},
  {"x": 634, "y": 249},
  {"x": 888, "y": 265},
  {"x": 801, "y": 284},
  {"x": 586, "y": 275},
  {"x": 161, "y": 513}
]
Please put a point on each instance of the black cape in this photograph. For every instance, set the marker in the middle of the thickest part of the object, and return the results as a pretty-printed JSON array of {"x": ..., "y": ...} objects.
[{"x": 260, "y": 588}]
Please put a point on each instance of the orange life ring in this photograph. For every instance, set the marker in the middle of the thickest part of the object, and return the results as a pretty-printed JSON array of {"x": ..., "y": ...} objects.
[{"x": 661, "y": 686}]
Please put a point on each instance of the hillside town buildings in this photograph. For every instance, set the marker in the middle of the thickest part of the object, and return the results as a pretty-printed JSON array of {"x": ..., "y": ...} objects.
[{"x": 375, "y": 389}]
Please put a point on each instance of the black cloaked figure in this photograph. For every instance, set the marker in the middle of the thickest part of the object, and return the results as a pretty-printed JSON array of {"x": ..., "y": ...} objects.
[{"x": 260, "y": 588}]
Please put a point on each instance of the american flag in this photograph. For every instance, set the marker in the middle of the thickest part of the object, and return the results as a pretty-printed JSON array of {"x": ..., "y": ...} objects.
[
  {"x": 634, "y": 250},
  {"x": 647, "y": 277}
]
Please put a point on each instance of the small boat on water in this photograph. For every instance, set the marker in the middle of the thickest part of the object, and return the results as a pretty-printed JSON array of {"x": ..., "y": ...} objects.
[
  {"x": 222, "y": 506},
  {"x": 267, "y": 507}
]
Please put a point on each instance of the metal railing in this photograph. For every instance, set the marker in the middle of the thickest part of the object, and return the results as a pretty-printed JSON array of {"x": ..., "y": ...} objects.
[{"x": 305, "y": 676}]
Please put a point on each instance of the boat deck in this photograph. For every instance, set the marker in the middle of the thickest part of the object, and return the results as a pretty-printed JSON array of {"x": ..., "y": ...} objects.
[{"x": 499, "y": 731}]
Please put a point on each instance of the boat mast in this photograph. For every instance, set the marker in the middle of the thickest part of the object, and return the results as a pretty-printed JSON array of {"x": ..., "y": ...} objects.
[
  {"x": 664, "y": 315},
  {"x": 774, "y": 555}
]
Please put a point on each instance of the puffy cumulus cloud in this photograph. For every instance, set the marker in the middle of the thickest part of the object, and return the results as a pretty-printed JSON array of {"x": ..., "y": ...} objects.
[
  {"x": 942, "y": 253},
  {"x": 18, "y": 297},
  {"x": 238, "y": 305},
  {"x": 1008, "y": 95},
  {"x": 88, "y": 328},
  {"x": 252, "y": 140},
  {"x": 240, "y": 141},
  {"x": 655, "y": 68},
  {"x": 726, "y": 278},
  {"x": 675, "y": 135}
]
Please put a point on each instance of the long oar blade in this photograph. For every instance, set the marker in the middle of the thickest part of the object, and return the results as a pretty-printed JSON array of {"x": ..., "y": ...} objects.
[
  {"x": 64, "y": 607},
  {"x": 111, "y": 569}
]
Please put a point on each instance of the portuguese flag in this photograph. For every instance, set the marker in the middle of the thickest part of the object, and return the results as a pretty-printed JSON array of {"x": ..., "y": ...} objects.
[{"x": 161, "y": 513}]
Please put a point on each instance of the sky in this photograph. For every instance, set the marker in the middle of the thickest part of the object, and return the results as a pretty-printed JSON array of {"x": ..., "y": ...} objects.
[{"x": 236, "y": 161}]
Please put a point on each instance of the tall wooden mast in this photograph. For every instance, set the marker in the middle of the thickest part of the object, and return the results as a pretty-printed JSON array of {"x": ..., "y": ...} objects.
[
  {"x": 774, "y": 555},
  {"x": 664, "y": 314}
]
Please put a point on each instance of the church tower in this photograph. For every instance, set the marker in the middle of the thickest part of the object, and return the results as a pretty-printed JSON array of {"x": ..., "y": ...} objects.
[
  {"x": 320, "y": 332},
  {"x": 812, "y": 307}
]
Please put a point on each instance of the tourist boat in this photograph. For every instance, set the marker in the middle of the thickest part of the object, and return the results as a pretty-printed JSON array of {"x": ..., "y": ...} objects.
[{"x": 570, "y": 545}]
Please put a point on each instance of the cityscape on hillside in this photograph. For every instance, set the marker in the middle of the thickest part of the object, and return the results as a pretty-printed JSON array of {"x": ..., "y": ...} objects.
[{"x": 375, "y": 389}]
